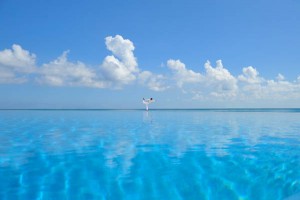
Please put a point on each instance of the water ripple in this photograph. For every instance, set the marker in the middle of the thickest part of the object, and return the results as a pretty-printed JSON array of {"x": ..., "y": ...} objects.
[{"x": 149, "y": 155}]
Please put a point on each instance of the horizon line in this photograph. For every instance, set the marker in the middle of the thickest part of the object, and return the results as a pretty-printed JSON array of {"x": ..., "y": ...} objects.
[{"x": 200, "y": 109}]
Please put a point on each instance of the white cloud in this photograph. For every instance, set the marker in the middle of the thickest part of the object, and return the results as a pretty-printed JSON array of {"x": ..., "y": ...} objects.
[
  {"x": 251, "y": 84},
  {"x": 250, "y": 75},
  {"x": 217, "y": 82},
  {"x": 280, "y": 86},
  {"x": 219, "y": 73},
  {"x": 182, "y": 74},
  {"x": 152, "y": 81},
  {"x": 220, "y": 79},
  {"x": 18, "y": 59},
  {"x": 280, "y": 77},
  {"x": 121, "y": 67},
  {"x": 123, "y": 49},
  {"x": 117, "y": 70},
  {"x": 9, "y": 77},
  {"x": 15, "y": 64},
  {"x": 272, "y": 90},
  {"x": 61, "y": 72},
  {"x": 18, "y": 65}
]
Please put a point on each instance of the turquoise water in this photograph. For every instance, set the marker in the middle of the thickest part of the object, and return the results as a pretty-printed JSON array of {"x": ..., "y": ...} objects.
[{"x": 160, "y": 154}]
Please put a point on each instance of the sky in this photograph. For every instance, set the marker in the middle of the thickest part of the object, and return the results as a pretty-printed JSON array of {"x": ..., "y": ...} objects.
[{"x": 184, "y": 54}]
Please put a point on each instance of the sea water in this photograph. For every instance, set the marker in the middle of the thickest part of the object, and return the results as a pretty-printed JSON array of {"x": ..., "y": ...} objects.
[{"x": 159, "y": 154}]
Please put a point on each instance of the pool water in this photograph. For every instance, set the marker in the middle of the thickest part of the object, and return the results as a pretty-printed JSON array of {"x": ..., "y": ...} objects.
[{"x": 160, "y": 154}]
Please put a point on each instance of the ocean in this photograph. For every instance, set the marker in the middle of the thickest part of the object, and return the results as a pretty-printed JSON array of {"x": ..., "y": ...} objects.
[{"x": 209, "y": 154}]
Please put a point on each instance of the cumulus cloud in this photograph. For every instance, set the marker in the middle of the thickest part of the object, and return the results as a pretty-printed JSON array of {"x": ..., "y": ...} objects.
[
  {"x": 182, "y": 74},
  {"x": 116, "y": 70},
  {"x": 280, "y": 86},
  {"x": 15, "y": 64},
  {"x": 18, "y": 65},
  {"x": 216, "y": 81},
  {"x": 280, "y": 77},
  {"x": 9, "y": 77},
  {"x": 220, "y": 78},
  {"x": 250, "y": 75},
  {"x": 153, "y": 81},
  {"x": 259, "y": 88},
  {"x": 121, "y": 67},
  {"x": 18, "y": 59},
  {"x": 61, "y": 72},
  {"x": 272, "y": 90}
]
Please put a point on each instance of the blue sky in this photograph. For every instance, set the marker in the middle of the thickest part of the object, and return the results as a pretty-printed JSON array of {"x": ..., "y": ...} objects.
[{"x": 117, "y": 52}]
